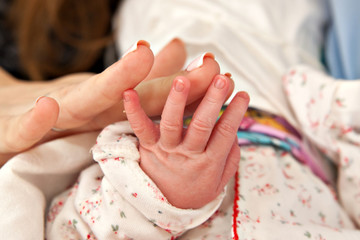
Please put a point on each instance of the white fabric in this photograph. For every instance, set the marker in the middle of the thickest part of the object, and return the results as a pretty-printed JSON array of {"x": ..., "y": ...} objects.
[
  {"x": 255, "y": 40},
  {"x": 273, "y": 197},
  {"x": 329, "y": 114},
  {"x": 115, "y": 199},
  {"x": 30, "y": 180},
  {"x": 276, "y": 197}
]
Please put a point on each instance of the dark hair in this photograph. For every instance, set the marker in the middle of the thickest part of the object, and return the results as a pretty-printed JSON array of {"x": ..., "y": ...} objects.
[{"x": 57, "y": 37}]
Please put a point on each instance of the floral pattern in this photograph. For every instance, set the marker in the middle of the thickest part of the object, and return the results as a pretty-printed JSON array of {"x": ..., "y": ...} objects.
[{"x": 273, "y": 195}]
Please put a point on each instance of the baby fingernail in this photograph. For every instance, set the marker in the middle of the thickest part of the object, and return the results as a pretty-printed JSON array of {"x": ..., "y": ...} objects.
[
  {"x": 179, "y": 85},
  {"x": 220, "y": 83},
  {"x": 126, "y": 97},
  {"x": 199, "y": 61},
  {"x": 135, "y": 46},
  {"x": 243, "y": 95}
]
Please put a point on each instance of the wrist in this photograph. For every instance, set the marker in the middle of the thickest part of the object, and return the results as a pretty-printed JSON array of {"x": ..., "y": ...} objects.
[{"x": 118, "y": 156}]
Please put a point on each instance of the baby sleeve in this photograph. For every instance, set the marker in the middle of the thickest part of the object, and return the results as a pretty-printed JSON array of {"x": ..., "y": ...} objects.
[{"x": 116, "y": 199}]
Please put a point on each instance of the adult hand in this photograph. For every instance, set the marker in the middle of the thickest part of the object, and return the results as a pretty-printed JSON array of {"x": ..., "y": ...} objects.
[
  {"x": 87, "y": 102},
  {"x": 67, "y": 103}
]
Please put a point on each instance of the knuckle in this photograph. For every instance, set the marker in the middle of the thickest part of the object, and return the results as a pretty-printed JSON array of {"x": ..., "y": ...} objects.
[
  {"x": 211, "y": 100},
  {"x": 170, "y": 126},
  {"x": 138, "y": 128},
  {"x": 202, "y": 125},
  {"x": 226, "y": 129},
  {"x": 130, "y": 111},
  {"x": 172, "y": 101}
]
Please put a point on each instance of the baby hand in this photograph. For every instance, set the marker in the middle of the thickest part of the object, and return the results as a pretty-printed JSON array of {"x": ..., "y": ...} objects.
[{"x": 190, "y": 166}]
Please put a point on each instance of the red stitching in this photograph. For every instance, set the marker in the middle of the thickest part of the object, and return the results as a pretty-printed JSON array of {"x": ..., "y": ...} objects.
[{"x": 236, "y": 207}]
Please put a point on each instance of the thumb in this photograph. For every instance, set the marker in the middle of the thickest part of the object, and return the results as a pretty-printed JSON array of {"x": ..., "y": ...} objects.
[{"x": 23, "y": 131}]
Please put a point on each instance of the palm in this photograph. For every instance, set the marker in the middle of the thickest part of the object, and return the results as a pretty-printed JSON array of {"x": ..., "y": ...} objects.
[{"x": 190, "y": 168}]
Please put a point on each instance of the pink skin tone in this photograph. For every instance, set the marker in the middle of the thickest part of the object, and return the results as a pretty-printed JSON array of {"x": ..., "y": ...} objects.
[
  {"x": 190, "y": 166},
  {"x": 87, "y": 102}
]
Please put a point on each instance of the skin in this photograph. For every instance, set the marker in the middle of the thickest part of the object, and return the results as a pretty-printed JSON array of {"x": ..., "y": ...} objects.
[
  {"x": 199, "y": 160},
  {"x": 86, "y": 102}
]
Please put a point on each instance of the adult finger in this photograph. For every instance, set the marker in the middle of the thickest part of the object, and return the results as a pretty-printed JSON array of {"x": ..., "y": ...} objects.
[
  {"x": 205, "y": 116},
  {"x": 21, "y": 132},
  {"x": 226, "y": 128},
  {"x": 142, "y": 125},
  {"x": 81, "y": 102},
  {"x": 169, "y": 60},
  {"x": 171, "y": 124},
  {"x": 153, "y": 93}
]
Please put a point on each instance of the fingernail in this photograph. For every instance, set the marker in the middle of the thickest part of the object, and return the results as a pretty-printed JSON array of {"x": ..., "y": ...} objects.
[
  {"x": 243, "y": 95},
  {"x": 126, "y": 97},
  {"x": 38, "y": 99},
  {"x": 228, "y": 75},
  {"x": 199, "y": 61},
  {"x": 135, "y": 46},
  {"x": 219, "y": 83},
  {"x": 178, "y": 40},
  {"x": 57, "y": 129},
  {"x": 179, "y": 85}
]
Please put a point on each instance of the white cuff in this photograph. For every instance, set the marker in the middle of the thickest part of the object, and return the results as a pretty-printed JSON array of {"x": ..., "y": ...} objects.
[{"x": 118, "y": 157}]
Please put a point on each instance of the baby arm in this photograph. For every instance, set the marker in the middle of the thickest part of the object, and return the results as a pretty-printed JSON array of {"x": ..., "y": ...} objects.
[{"x": 190, "y": 166}]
